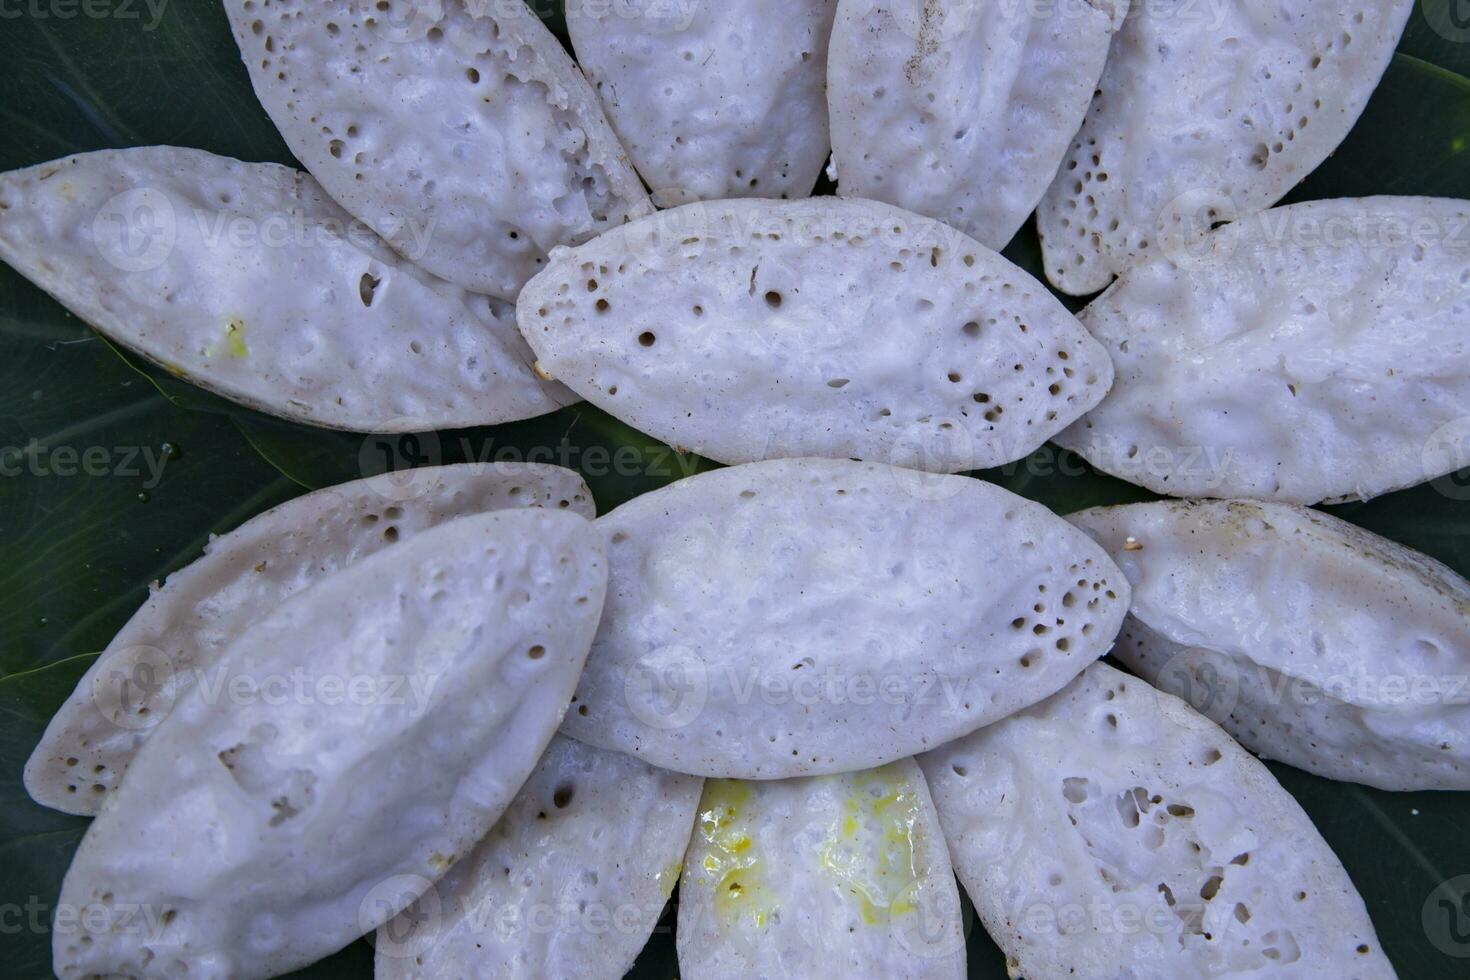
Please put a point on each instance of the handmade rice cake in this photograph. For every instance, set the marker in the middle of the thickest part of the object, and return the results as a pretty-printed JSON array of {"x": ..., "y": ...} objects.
[
  {"x": 751, "y": 330},
  {"x": 368, "y": 731},
  {"x": 803, "y": 617},
  {"x": 1308, "y": 639},
  {"x": 178, "y": 636},
  {"x": 247, "y": 280},
  {"x": 460, "y": 132},
  {"x": 712, "y": 98},
  {"x": 570, "y": 883},
  {"x": 1315, "y": 352},
  {"x": 1111, "y": 831},
  {"x": 962, "y": 111},
  {"x": 844, "y": 875},
  {"x": 1207, "y": 113}
]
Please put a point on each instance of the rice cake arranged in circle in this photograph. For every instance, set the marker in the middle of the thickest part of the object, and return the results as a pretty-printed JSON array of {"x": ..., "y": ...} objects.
[
  {"x": 367, "y": 732},
  {"x": 1310, "y": 640},
  {"x": 179, "y": 634},
  {"x": 750, "y": 330},
  {"x": 1111, "y": 831},
  {"x": 962, "y": 111},
  {"x": 845, "y": 875},
  {"x": 461, "y": 132},
  {"x": 247, "y": 280},
  {"x": 802, "y": 617},
  {"x": 570, "y": 883},
  {"x": 1313, "y": 352},
  {"x": 712, "y": 98},
  {"x": 1207, "y": 113}
]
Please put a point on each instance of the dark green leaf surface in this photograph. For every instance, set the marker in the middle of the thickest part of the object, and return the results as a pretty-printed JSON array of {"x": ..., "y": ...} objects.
[{"x": 82, "y": 541}]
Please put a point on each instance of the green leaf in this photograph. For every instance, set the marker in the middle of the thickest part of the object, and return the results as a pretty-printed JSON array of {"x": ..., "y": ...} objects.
[
  {"x": 36, "y": 844},
  {"x": 82, "y": 543}
]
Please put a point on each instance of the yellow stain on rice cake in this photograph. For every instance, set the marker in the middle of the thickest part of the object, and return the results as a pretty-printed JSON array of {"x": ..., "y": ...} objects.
[
  {"x": 871, "y": 849},
  {"x": 234, "y": 340},
  {"x": 730, "y": 856}
]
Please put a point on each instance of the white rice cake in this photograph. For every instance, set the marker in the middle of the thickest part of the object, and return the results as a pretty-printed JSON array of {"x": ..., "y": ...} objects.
[
  {"x": 1113, "y": 832},
  {"x": 829, "y": 876},
  {"x": 1310, "y": 640},
  {"x": 570, "y": 883},
  {"x": 712, "y": 98},
  {"x": 803, "y": 617},
  {"x": 750, "y": 330},
  {"x": 460, "y": 131},
  {"x": 1208, "y": 112},
  {"x": 178, "y": 636},
  {"x": 369, "y": 730},
  {"x": 1315, "y": 352},
  {"x": 247, "y": 280},
  {"x": 962, "y": 111}
]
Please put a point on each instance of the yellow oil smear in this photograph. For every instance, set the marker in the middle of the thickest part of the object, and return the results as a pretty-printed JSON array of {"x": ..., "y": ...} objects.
[
  {"x": 668, "y": 877},
  {"x": 730, "y": 857},
  {"x": 871, "y": 848},
  {"x": 234, "y": 340}
]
